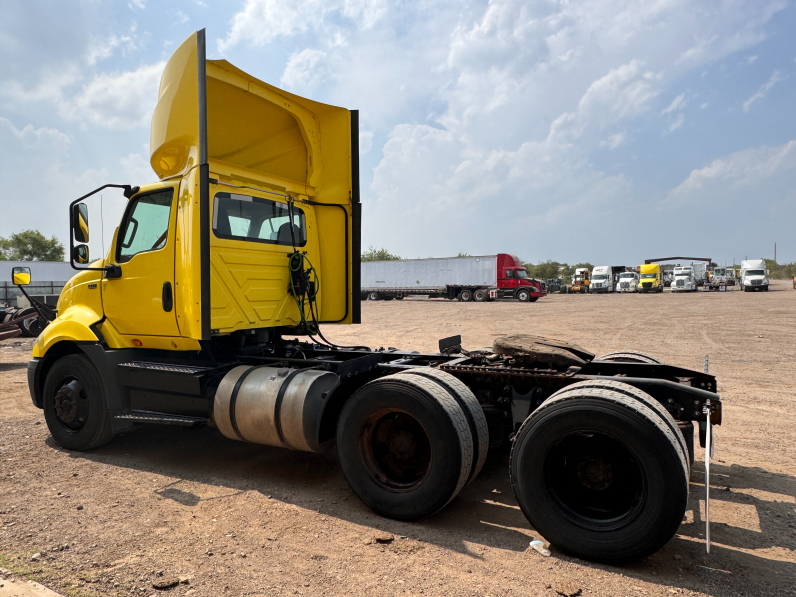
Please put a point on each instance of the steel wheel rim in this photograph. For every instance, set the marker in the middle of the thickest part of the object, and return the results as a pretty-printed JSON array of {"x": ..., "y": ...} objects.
[
  {"x": 395, "y": 449},
  {"x": 594, "y": 480}
]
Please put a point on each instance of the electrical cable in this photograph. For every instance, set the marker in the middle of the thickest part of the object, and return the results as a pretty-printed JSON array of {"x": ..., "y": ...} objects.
[{"x": 306, "y": 294}]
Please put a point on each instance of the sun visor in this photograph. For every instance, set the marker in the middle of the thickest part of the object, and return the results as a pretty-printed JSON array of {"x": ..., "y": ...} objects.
[{"x": 251, "y": 125}]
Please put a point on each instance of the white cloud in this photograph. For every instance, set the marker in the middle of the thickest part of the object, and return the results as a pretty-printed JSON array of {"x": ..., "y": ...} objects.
[
  {"x": 29, "y": 138},
  {"x": 763, "y": 91},
  {"x": 678, "y": 103},
  {"x": 103, "y": 48},
  {"x": 139, "y": 4},
  {"x": 116, "y": 101},
  {"x": 751, "y": 59},
  {"x": 613, "y": 141},
  {"x": 678, "y": 122},
  {"x": 305, "y": 70},
  {"x": 261, "y": 21},
  {"x": 738, "y": 184},
  {"x": 41, "y": 155}
]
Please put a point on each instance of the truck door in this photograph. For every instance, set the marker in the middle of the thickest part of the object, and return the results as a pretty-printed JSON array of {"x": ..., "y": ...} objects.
[{"x": 141, "y": 301}]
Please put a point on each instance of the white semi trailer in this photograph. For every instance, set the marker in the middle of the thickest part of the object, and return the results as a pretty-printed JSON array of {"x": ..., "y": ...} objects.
[{"x": 477, "y": 278}]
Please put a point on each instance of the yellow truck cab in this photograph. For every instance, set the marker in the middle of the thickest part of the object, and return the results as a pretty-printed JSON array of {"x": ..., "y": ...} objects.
[
  {"x": 207, "y": 311},
  {"x": 650, "y": 278}
]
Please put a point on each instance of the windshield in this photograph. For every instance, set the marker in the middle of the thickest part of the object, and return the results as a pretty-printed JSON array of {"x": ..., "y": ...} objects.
[
  {"x": 648, "y": 276},
  {"x": 599, "y": 277},
  {"x": 755, "y": 272},
  {"x": 522, "y": 273},
  {"x": 626, "y": 276},
  {"x": 683, "y": 272}
]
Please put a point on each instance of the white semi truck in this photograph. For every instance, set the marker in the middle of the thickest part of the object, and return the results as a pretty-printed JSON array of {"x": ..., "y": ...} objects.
[
  {"x": 628, "y": 282},
  {"x": 754, "y": 275},
  {"x": 605, "y": 278},
  {"x": 684, "y": 279}
]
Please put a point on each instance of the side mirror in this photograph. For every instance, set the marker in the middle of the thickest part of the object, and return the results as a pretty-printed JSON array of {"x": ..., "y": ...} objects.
[
  {"x": 80, "y": 254},
  {"x": 20, "y": 276},
  {"x": 80, "y": 222}
]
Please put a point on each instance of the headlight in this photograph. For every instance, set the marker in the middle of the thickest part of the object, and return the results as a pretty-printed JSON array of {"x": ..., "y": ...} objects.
[{"x": 747, "y": 283}]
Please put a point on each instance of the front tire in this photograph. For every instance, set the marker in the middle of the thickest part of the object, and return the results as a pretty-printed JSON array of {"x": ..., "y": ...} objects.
[
  {"x": 75, "y": 407},
  {"x": 386, "y": 436},
  {"x": 523, "y": 295},
  {"x": 600, "y": 475}
]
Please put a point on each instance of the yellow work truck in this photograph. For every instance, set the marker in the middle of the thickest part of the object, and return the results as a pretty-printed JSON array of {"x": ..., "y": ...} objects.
[
  {"x": 650, "y": 278},
  {"x": 249, "y": 240}
]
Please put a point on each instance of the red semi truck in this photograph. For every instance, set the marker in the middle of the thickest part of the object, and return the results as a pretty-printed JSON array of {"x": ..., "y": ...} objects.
[{"x": 478, "y": 278}]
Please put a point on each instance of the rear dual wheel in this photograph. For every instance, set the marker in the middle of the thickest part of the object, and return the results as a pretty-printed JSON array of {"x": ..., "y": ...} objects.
[
  {"x": 407, "y": 446},
  {"x": 629, "y": 356},
  {"x": 601, "y": 473}
]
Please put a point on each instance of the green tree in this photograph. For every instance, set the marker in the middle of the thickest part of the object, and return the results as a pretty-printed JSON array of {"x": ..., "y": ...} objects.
[
  {"x": 373, "y": 254},
  {"x": 31, "y": 245},
  {"x": 463, "y": 255},
  {"x": 545, "y": 270}
]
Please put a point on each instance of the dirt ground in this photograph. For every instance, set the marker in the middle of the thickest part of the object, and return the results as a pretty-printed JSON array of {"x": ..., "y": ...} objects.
[{"x": 188, "y": 507}]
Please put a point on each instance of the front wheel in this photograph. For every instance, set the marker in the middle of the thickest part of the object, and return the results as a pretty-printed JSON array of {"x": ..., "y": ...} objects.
[
  {"x": 600, "y": 475},
  {"x": 523, "y": 295},
  {"x": 75, "y": 408}
]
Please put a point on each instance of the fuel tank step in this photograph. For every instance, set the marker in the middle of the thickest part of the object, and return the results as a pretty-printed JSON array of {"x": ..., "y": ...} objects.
[{"x": 146, "y": 416}]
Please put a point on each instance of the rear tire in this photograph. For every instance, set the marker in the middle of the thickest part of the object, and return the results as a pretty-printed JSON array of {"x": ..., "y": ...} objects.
[
  {"x": 466, "y": 295},
  {"x": 629, "y": 356},
  {"x": 373, "y": 296},
  {"x": 641, "y": 396},
  {"x": 75, "y": 407},
  {"x": 479, "y": 429},
  {"x": 600, "y": 476},
  {"x": 480, "y": 295},
  {"x": 386, "y": 436}
]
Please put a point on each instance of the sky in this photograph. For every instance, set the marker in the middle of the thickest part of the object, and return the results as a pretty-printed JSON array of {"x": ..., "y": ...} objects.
[{"x": 592, "y": 130}]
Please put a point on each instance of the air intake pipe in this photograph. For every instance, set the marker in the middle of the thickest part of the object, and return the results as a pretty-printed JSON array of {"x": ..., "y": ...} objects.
[{"x": 274, "y": 406}]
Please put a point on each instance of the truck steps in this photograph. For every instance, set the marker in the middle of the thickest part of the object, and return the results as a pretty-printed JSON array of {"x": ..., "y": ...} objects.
[
  {"x": 164, "y": 367},
  {"x": 146, "y": 416}
]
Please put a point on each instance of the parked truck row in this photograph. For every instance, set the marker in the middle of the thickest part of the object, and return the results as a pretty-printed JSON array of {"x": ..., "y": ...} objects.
[{"x": 653, "y": 277}]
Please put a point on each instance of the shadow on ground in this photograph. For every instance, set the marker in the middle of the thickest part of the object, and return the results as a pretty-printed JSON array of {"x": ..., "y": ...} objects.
[{"x": 485, "y": 513}]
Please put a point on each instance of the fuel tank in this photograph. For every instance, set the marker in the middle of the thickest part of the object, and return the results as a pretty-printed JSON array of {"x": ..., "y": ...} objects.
[{"x": 275, "y": 406}]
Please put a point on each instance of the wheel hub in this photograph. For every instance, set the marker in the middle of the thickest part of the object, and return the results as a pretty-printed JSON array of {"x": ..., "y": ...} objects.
[
  {"x": 396, "y": 450},
  {"x": 66, "y": 401}
]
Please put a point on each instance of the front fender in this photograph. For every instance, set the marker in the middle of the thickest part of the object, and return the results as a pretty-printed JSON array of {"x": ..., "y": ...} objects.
[{"x": 73, "y": 325}]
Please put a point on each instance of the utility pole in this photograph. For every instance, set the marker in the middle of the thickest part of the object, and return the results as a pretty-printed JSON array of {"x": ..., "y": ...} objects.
[{"x": 775, "y": 252}]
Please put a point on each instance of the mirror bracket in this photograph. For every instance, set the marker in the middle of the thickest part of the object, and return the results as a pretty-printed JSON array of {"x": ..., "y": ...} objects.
[{"x": 114, "y": 270}]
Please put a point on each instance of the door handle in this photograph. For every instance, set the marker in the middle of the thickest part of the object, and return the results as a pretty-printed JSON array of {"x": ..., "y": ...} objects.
[{"x": 167, "y": 297}]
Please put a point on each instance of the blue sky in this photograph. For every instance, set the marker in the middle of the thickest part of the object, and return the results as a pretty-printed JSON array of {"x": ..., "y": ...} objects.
[{"x": 592, "y": 130}]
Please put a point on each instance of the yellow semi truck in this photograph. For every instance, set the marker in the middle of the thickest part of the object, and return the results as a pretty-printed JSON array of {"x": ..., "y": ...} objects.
[
  {"x": 650, "y": 278},
  {"x": 251, "y": 238}
]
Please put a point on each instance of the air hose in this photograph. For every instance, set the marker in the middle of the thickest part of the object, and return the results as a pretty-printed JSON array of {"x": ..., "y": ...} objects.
[{"x": 304, "y": 287}]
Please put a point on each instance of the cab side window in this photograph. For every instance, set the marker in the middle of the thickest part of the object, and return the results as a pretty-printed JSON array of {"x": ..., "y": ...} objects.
[
  {"x": 145, "y": 226},
  {"x": 242, "y": 217},
  {"x": 511, "y": 274}
]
